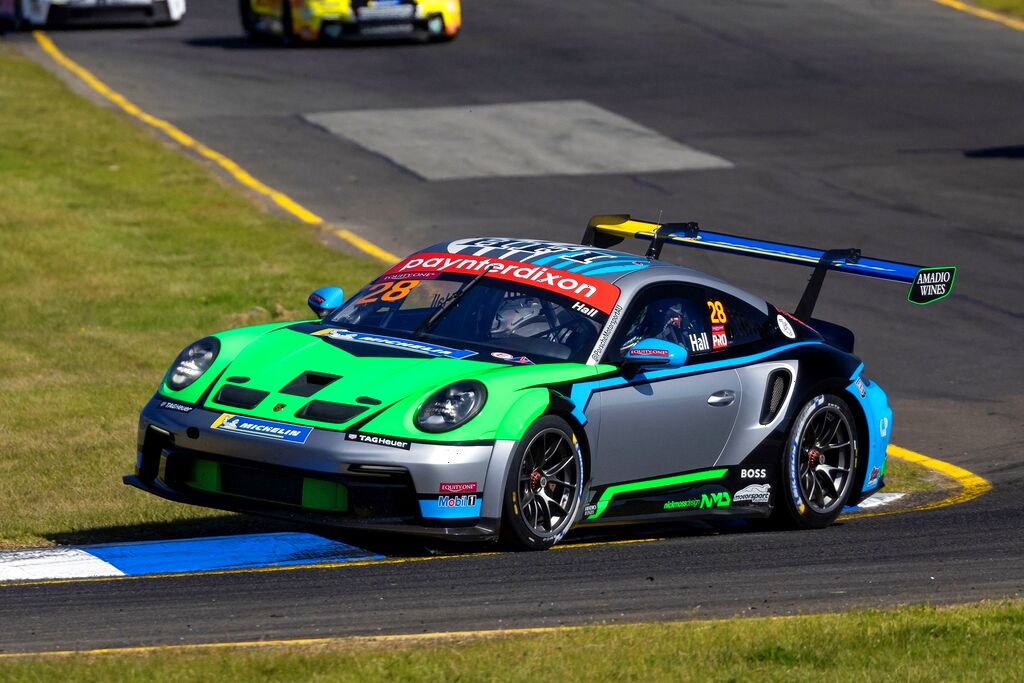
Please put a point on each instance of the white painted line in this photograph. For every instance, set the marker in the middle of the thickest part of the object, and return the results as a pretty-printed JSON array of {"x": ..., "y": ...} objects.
[
  {"x": 878, "y": 500},
  {"x": 52, "y": 563},
  {"x": 569, "y": 137}
]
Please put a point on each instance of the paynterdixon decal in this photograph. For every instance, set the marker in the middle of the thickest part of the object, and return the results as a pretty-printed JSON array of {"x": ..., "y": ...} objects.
[
  {"x": 597, "y": 293},
  {"x": 265, "y": 429}
]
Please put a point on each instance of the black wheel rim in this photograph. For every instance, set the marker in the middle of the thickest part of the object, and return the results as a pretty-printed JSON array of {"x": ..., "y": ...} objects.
[
  {"x": 825, "y": 459},
  {"x": 548, "y": 482}
]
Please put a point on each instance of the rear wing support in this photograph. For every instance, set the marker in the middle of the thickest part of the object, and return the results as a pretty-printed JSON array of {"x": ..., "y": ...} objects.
[{"x": 927, "y": 284}]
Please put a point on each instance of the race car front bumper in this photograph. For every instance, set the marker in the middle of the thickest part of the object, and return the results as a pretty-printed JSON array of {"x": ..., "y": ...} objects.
[{"x": 333, "y": 478}]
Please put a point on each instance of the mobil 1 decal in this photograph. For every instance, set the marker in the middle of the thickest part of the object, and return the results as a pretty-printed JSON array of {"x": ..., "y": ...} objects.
[{"x": 932, "y": 284}]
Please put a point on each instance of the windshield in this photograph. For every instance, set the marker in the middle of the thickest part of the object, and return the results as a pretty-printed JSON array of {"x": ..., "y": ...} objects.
[{"x": 499, "y": 320}]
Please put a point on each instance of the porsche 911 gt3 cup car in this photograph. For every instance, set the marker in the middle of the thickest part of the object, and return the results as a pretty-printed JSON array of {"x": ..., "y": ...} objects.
[
  {"x": 311, "y": 20},
  {"x": 91, "y": 12},
  {"x": 517, "y": 388}
]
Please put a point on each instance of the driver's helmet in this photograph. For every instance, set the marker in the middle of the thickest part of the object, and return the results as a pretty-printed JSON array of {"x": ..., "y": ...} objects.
[
  {"x": 515, "y": 312},
  {"x": 670, "y": 321}
]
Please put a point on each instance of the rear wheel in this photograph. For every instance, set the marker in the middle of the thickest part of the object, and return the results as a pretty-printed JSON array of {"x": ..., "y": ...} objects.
[
  {"x": 545, "y": 486},
  {"x": 819, "y": 464}
]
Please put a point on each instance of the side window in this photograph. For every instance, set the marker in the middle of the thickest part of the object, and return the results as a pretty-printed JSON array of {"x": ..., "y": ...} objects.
[
  {"x": 675, "y": 313},
  {"x": 733, "y": 322}
]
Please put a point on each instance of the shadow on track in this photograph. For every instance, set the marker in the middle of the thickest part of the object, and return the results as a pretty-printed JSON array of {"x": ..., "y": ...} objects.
[
  {"x": 1008, "y": 152},
  {"x": 242, "y": 42}
]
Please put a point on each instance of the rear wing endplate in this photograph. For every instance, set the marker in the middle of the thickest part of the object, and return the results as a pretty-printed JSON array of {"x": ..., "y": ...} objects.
[{"x": 927, "y": 284}]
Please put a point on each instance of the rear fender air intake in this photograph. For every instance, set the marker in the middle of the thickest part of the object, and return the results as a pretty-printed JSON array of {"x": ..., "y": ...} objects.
[{"x": 774, "y": 394}]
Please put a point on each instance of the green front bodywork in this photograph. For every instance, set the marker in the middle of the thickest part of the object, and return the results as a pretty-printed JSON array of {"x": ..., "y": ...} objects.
[
  {"x": 271, "y": 356},
  {"x": 317, "y": 494}
]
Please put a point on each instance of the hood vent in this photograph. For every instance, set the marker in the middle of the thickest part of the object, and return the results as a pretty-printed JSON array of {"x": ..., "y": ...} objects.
[
  {"x": 328, "y": 411},
  {"x": 239, "y": 397},
  {"x": 308, "y": 383}
]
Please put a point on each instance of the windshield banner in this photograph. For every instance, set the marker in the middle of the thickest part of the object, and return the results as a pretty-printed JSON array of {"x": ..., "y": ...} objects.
[{"x": 591, "y": 291}]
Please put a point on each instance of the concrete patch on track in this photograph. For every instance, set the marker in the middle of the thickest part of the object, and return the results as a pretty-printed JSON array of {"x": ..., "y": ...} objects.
[
  {"x": 177, "y": 556},
  {"x": 570, "y": 137}
]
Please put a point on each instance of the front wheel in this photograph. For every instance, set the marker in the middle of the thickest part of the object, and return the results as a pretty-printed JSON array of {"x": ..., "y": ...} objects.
[
  {"x": 545, "y": 486},
  {"x": 819, "y": 464}
]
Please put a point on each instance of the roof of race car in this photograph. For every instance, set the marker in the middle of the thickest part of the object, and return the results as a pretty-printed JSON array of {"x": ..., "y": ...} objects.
[{"x": 604, "y": 264}]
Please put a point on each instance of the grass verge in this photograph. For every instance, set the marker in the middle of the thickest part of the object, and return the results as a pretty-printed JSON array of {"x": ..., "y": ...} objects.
[
  {"x": 909, "y": 477},
  {"x": 964, "y": 643},
  {"x": 115, "y": 251},
  {"x": 1014, "y": 7}
]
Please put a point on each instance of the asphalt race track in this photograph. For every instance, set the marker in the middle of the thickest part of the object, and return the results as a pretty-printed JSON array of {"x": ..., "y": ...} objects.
[{"x": 893, "y": 125}]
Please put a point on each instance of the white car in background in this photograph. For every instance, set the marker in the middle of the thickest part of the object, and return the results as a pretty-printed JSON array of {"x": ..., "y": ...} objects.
[{"x": 27, "y": 13}]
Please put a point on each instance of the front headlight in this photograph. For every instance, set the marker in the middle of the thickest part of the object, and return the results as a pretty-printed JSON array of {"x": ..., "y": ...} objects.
[
  {"x": 452, "y": 406},
  {"x": 192, "y": 362}
]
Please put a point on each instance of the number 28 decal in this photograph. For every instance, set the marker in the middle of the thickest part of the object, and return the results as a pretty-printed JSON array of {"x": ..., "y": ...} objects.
[
  {"x": 717, "y": 313},
  {"x": 388, "y": 291}
]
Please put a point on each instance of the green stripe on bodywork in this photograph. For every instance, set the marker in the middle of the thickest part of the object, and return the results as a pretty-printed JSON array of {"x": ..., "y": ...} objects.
[{"x": 664, "y": 482}]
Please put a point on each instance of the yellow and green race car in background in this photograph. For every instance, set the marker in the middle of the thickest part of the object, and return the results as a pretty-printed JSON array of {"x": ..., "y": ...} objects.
[{"x": 313, "y": 20}]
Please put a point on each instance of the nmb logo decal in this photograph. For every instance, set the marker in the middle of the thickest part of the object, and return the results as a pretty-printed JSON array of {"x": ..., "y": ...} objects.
[{"x": 932, "y": 284}]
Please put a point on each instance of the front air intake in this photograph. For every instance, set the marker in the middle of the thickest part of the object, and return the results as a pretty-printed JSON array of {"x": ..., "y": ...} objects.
[
  {"x": 328, "y": 411},
  {"x": 774, "y": 394},
  {"x": 239, "y": 397}
]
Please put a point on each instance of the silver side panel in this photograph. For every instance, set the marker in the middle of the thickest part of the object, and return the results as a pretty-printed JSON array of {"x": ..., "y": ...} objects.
[
  {"x": 651, "y": 430},
  {"x": 748, "y": 432}
]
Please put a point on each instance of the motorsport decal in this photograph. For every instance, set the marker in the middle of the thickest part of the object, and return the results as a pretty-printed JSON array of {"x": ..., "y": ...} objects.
[
  {"x": 176, "y": 407},
  {"x": 394, "y": 342},
  {"x": 591, "y": 291},
  {"x": 754, "y": 493},
  {"x": 378, "y": 440},
  {"x": 932, "y": 284},
  {"x": 457, "y": 487},
  {"x": 874, "y": 476},
  {"x": 266, "y": 429}
]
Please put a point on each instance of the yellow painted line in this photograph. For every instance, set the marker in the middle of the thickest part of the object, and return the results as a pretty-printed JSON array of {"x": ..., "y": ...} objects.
[
  {"x": 242, "y": 176},
  {"x": 971, "y": 485},
  {"x": 1011, "y": 22}
]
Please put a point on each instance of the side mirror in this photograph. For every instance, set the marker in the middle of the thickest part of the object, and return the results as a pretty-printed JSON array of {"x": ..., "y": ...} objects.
[
  {"x": 325, "y": 300},
  {"x": 650, "y": 352}
]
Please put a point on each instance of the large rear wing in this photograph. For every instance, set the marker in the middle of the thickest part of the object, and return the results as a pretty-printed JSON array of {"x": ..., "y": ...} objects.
[{"x": 927, "y": 284}]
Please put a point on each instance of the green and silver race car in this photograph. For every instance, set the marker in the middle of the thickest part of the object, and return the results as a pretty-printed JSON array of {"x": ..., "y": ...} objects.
[{"x": 517, "y": 388}]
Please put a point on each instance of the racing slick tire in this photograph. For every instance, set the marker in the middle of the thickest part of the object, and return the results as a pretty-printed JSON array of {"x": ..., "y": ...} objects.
[
  {"x": 819, "y": 464},
  {"x": 544, "y": 491}
]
